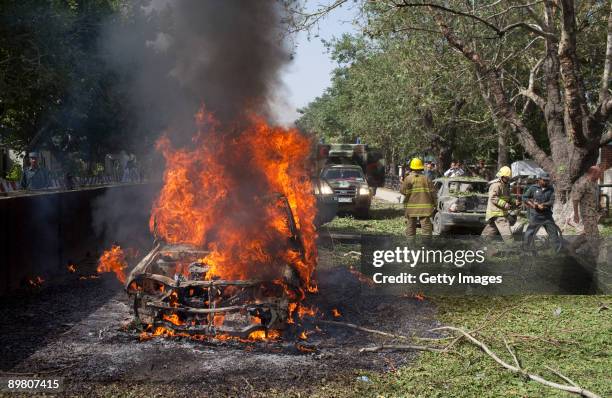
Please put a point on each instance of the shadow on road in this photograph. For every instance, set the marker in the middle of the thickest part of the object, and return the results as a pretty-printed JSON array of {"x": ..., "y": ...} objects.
[{"x": 32, "y": 320}]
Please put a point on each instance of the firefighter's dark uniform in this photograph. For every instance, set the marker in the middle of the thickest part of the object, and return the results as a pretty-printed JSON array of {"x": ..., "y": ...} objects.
[{"x": 541, "y": 218}]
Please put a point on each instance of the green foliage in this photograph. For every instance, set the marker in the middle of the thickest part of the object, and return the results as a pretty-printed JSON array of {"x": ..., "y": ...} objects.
[
  {"x": 385, "y": 219},
  {"x": 567, "y": 333},
  {"x": 55, "y": 89},
  {"x": 14, "y": 174},
  {"x": 397, "y": 83},
  {"x": 385, "y": 93}
]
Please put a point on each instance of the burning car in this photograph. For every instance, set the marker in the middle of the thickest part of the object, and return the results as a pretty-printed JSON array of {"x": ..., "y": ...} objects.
[
  {"x": 174, "y": 290},
  {"x": 462, "y": 204},
  {"x": 350, "y": 187},
  {"x": 236, "y": 249}
]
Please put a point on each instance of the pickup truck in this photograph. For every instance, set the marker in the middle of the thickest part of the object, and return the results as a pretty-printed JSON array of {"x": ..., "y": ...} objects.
[{"x": 350, "y": 187}]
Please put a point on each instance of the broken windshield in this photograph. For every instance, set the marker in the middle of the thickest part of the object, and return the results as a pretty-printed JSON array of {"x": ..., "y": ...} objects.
[
  {"x": 467, "y": 187},
  {"x": 346, "y": 174}
]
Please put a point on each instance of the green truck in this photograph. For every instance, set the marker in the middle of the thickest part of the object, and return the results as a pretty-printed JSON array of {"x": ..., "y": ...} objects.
[{"x": 353, "y": 171}]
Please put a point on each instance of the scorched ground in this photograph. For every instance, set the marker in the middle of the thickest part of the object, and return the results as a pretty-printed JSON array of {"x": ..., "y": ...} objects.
[{"x": 82, "y": 330}]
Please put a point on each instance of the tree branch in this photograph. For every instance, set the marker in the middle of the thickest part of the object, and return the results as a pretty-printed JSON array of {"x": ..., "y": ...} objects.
[
  {"x": 603, "y": 112},
  {"x": 514, "y": 54},
  {"x": 561, "y": 376},
  {"x": 356, "y": 327},
  {"x": 400, "y": 348},
  {"x": 539, "y": 101},
  {"x": 507, "y": 10},
  {"x": 606, "y": 138},
  {"x": 536, "y": 17},
  {"x": 499, "y": 31},
  {"x": 574, "y": 389},
  {"x": 605, "y": 79},
  {"x": 305, "y": 21},
  {"x": 503, "y": 108},
  {"x": 529, "y": 91},
  {"x": 516, "y": 361}
]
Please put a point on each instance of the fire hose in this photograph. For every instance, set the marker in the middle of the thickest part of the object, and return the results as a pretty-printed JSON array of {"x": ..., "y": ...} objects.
[{"x": 529, "y": 244}]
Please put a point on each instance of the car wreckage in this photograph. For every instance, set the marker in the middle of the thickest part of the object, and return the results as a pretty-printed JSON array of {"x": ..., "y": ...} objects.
[
  {"x": 462, "y": 204},
  {"x": 170, "y": 289}
]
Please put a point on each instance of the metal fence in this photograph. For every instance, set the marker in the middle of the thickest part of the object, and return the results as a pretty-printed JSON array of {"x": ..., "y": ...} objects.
[
  {"x": 392, "y": 181},
  {"x": 61, "y": 181}
]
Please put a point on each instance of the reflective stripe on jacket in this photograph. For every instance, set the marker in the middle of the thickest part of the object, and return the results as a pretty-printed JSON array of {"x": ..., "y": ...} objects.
[
  {"x": 420, "y": 195},
  {"x": 499, "y": 196}
]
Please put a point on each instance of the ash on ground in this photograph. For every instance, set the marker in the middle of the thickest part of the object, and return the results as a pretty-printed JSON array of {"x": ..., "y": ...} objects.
[{"x": 80, "y": 330}]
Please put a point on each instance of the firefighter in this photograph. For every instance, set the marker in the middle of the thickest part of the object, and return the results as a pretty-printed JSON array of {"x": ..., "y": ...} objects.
[
  {"x": 419, "y": 199},
  {"x": 540, "y": 198},
  {"x": 498, "y": 205}
]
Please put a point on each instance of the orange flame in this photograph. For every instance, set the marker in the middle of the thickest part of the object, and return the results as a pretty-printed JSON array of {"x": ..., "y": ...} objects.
[
  {"x": 218, "y": 319},
  {"x": 336, "y": 313},
  {"x": 71, "y": 268},
  {"x": 303, "y": 348},
  {"x": 36, "y": 282},
  {"x": 113, "y": 260},
  {"x": 306, "y": 311},
  {"x": 173, "y": 319},
  {"x": 258, "y": 335},
  {"x": 218, "y": 196}
]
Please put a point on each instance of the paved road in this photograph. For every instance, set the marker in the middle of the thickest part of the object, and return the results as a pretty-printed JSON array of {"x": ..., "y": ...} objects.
[{"x": 389, "y": 195}]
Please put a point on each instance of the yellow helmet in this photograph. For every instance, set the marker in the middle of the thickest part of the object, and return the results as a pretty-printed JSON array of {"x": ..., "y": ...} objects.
[
  {"x": 505, "y": 172},
  {"x": 416, "y": 164}
]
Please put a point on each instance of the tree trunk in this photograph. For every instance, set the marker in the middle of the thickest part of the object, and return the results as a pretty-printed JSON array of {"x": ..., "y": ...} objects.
[
  {"x": 502, "y": 147},
  {"x": 392, "y": 163},
  {"x": 574, "y": 131},
  {"x": 503, "y": 130},
  {"x": 445, "y": 157}
]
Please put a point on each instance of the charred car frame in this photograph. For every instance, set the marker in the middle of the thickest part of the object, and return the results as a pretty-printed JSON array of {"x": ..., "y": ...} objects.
[
  {"x": 170, "y": 288},
  {"x": 462, "y": 203}
]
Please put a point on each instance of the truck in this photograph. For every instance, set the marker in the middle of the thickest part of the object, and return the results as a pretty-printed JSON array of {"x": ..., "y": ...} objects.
[{"x": 354, "y": 172}]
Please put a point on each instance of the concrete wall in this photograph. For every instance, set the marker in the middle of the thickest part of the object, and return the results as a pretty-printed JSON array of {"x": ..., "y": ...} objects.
[{"x": 41, "y": 233}]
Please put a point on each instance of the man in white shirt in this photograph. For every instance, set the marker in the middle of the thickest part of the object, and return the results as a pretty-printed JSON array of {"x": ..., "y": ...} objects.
[{"x": 455, "y": 170}]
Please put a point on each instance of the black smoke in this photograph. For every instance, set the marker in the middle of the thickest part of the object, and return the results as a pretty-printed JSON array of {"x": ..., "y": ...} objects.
[
  {"x": 177, "y": 55},
  {"x": 174, "y": 56}
]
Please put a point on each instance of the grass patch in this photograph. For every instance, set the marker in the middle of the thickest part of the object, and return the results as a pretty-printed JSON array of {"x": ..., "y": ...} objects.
[
  {"x": 569, "y": 333},
  {"x": 385, "y": 219}
]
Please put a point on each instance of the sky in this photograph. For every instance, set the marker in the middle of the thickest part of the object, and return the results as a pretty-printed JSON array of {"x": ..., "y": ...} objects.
[{"x": 309, "y": 74}]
